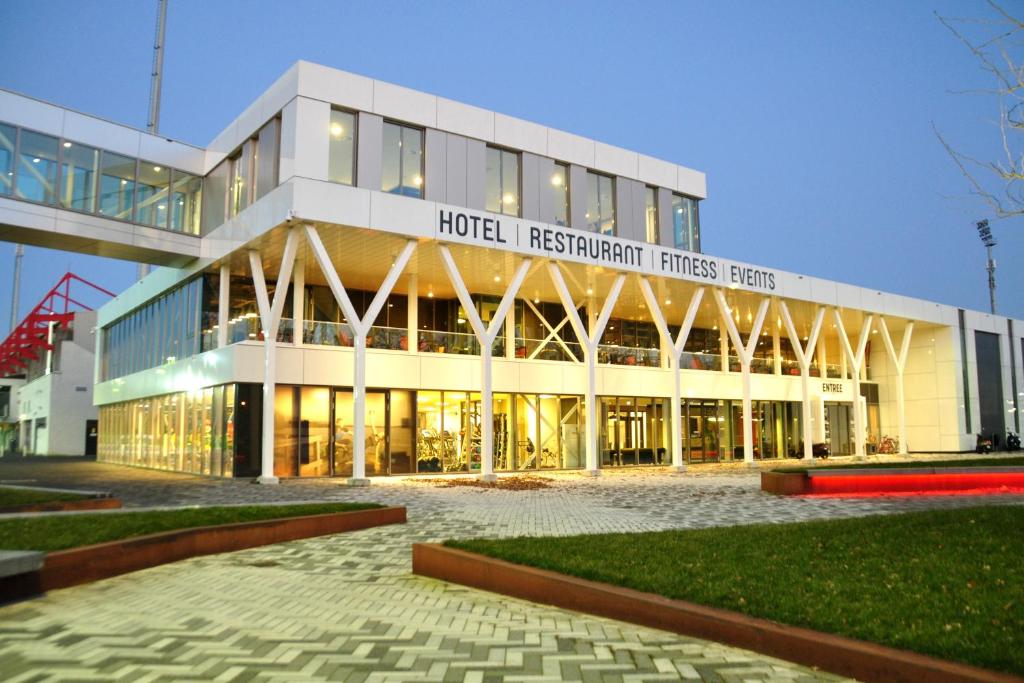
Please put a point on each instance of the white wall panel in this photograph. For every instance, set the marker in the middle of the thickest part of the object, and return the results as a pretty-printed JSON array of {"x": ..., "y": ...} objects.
[
  {"x": 403, "y": 104},
  {"x": 464, "y": 119},
  {"x": 520, "y": 134},
  {"x": 572, "y": 148}
]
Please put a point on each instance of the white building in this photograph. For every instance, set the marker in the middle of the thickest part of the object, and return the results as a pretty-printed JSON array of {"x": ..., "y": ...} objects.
[{"x": 474, "y": 292}]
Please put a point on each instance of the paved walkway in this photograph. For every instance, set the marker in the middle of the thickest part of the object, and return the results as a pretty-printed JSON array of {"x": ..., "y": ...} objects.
[{"x": 346, "y": 607}]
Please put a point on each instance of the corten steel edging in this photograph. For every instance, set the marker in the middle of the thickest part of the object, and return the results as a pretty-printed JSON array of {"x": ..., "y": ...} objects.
[
  {"x": 65, "y": 568},
  {"x": 65, "y": 505},
  {"x": 845, "y": 656},
  {"x": 784, "y": 483}
]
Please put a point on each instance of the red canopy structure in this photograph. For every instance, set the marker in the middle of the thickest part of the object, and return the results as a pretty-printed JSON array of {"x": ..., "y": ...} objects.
[{"x": 32, "y": 334}]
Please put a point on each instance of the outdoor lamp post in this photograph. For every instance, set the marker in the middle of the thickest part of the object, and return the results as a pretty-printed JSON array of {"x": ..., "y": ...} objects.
[{"x": 989, "y": 241}]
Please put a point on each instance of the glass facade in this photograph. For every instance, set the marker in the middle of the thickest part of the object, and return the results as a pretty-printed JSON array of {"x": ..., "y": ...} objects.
[
  {"x": 651, "y": 215},
  {"x": 151, "y": 194},
  {"x": 162, "y": 331},
  {"x": 713, "y": 429},
  {"x": 634, "y": 431},
  {"x": 402, "y": 160},
  {"x": 685, "y": 223},
  {"x": 600, "y": 203},
  {"x": 342, "y": 147},
  {"x": 207, "y": 431},
  {"x": 117, "y": 186},
  {"x": 243, "y": 177},
  {"x": 501, "y": 186},
  {"x": 560, "y": 193}
]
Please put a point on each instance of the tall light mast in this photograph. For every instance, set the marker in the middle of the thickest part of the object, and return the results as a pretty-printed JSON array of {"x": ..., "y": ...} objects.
[
  {"x": 19, "y": 253},
  {"x": 153, "y": 123},
  {"x": 985, "y": 233}
]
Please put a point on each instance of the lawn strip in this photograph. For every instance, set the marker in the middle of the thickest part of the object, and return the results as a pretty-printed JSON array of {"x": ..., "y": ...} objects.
[
  {"x": 11, "y": 497},
  {"x": 943, "y": 583},
  {"x": 60, "y": 532}
]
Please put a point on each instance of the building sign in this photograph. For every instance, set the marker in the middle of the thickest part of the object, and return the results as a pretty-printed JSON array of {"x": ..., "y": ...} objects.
[
  {"x": 832, "y": 387},
  {"x": 462, "y": 226}
]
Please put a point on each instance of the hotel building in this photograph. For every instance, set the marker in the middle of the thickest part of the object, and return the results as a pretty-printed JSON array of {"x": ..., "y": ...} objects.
[{"x": 365, "y": 280}]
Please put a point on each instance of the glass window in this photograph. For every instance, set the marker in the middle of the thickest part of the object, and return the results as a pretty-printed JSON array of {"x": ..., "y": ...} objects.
[
  {"x": 402, "y": 160},
  {"x": 215, "y": 192},
  {"x": 117, "y": 185},
  {"x": 560, "y": 190},
  {"x": 37, "y": 167},
  {"x": 7, "y": 138},
  {"x": 151, "y": 194},
  {"x": 341, "y": 168},
  {"x": 651, "y": 214},
  {"x": 241, "y": 179},
  {"x": 79, "y": 169},
  {"x": 686, "y": 231},
  {"x": 267, "y": 153},
  {"x": 600, "y": 203},
  {"x": 502, "y": 182},
  {"x": 186, "y": 198}
]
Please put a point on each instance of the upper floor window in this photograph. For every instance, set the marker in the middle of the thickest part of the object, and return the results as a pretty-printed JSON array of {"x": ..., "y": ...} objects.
[
  {"x": 117, "y": 185},
  {"x": 651, "y": 214},
  {"x": 560, "y": 192},
  {"x": 342, "y": 153},
  {"x": 79, "y": 169},
  {"x": 502, "y": 184},
  {"x": 402, "y": 160},
  {"x": 8, "y": 136},
  {"x": 600, "y": 203},
  {"x": 37, "y": 168},
  {"x": 685, "y": 223}
]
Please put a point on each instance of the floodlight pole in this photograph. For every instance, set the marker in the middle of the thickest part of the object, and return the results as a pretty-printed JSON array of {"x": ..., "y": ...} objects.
[
  {"x": 155, "y": 85},
  {"x": 991, "y": 278}
]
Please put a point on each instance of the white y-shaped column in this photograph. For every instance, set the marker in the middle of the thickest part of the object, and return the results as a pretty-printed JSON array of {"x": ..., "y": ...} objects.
[
  {"x": 675, "y": 349},
  {"x": 804, "y": 354},
  {"x": 855, "y": 360},
  {"x": 589, "y": 342},
  {"x": 270, "y": 320},
  {"x": 486, "y": 337},
  {"x": 746, "y": 354},
  {"x": 360, "y": 328},
  {"x": 900, "y": 361}
]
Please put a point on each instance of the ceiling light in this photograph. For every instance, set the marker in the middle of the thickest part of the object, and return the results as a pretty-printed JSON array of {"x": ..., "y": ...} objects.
[
  {"x": 497, "y": 278},
  {"x": 589, "y": 292},
  {"x": 337, "y": 130},
  {"x": 157, "y": 169},
  {"x": 556, "y": 180},
  {"x": 161, "y": 207},
  {"x": 66, "y": 145},
  {"x": 536, "y": 300},
  {"x": 508, "y": 198},
  {"x": 430, "y": 295},
  {"x": 668, "y": 302},
  {"x": 36, "y": 160},
  {"x": 417, "y": 181}
]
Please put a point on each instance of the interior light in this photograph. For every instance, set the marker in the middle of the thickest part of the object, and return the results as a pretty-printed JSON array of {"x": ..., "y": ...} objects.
[
  {"x": 157, "y": 169},
  {"x": 124, "y": 182},
  {"x": 430, "y": 295},
  {"x": 497, "y": 278},
  {"x": 556, "y": 180},
  {"x": 589, "y": 291},
  {"x": 337, "y": 130},
  {"x": 66, "y": 145},
  {"x": 417, "y": 181},
  {"x": 461, "y": 321},
  {"x": 668, "y": 302},
  {"x": 874, "y": 331},
  {"x": 536, "y": 300},
  {"x": 36, "y": 160},
  {"x": 508, "y": 198},
  {"x": 161, "y": 207}
]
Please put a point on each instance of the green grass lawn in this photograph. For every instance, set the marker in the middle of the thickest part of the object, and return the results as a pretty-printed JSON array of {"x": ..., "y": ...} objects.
[
  {"x": 945, "y": 583},
  {"x": 58, "y": 532},
  {"x": 977, "y": 462},
  {"x": 13, "y": 496}
]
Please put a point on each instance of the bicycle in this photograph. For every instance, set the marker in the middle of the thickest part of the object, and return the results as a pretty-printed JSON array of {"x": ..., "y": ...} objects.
[{"x": 889, "y": 444}]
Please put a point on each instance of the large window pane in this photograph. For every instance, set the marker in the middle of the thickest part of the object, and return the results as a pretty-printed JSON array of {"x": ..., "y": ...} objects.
[
  {"x": 684, "y": 223},
  {"x": 186, "y": 198},
  {"x": 117, "y": 185},
  {"x": 241, "y": 179},
  {"x": 651, "y": 214},
  {"x": 600, "y": 203},
  {"x": 151, "y": 194},
  {"x": 412, "y": 162},
  {"x": 502, "y": 182},
  {"x": 402, "y": 161},
  {"x": 7, "y": 139},
  {"x": 342, "y": 148},
  {"x": 79, "y": 169},
  {"x": 215, "y": 192},
  {"x": 267, "y": 153},
  {"x": 560, "y": 190},
  {"x": 37, "y": 167}
]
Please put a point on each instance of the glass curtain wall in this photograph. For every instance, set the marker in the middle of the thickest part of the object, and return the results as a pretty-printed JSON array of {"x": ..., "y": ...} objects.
[
  {"x": 685, "y": 223},
  {"x": 8, "y": 138},
  {"x": 154, "y": 182},
  {"x": 117, "y": 186},
  {"x": 651, "y": 215},
  {"x": 79, "y": 170},
  {"x": 37, "y": 167},
  {"x": 713, "y": 429},
  {"x": 634, "y": 431}
]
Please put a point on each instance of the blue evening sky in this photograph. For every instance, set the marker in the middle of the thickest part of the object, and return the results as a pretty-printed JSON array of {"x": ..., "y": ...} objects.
[{"x": 812, "y": 120}]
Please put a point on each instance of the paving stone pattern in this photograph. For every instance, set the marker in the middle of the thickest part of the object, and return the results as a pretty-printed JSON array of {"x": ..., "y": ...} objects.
[{"x": 346, "y": 607}]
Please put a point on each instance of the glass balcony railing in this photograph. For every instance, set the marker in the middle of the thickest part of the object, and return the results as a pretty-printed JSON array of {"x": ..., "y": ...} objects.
[
  {"x": 624, "y": 355},
  {"x": 700, "y": 361},
  {"x": 459, "y": 343},
  {"x": 552, "y": 350}
]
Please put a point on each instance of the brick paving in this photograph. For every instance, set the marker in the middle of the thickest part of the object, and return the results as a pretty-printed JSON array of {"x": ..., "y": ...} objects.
[{"x": 346, "y": 607}]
